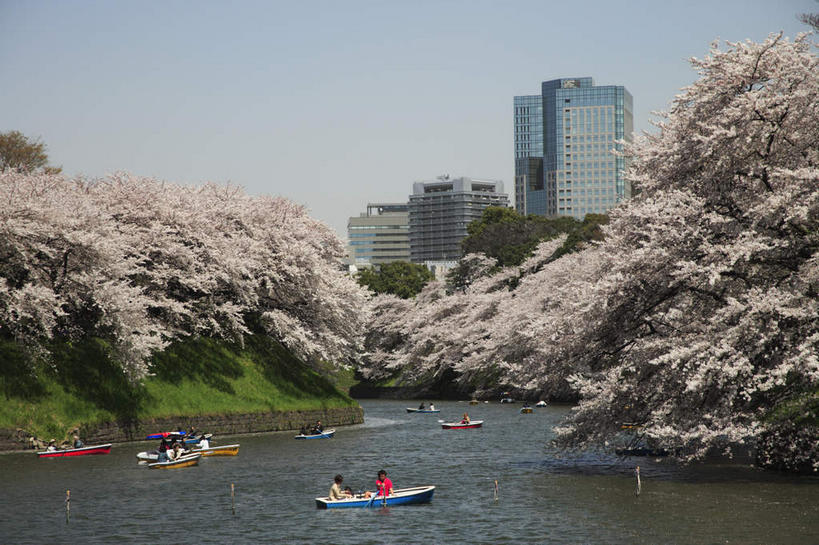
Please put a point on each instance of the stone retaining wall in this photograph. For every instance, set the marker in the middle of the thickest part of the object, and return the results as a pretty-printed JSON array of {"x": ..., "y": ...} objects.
[{"x": 224, "y": 424}]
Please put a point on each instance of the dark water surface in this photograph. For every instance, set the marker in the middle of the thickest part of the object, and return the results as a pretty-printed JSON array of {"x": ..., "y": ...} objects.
[{"x": 545, "y": 497}]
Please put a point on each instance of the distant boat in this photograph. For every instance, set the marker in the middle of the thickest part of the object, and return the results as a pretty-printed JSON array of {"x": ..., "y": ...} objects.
[
  {"x": 82, "y": 451},
  {"x": 400, "y": 496},
  {"x": 224, "y": 450},
  {"x": 526, "y": 410},
  {"x": 462, "y": 426},
  {"x": 183, "y": 461},
  {"x": 541, "y": 404},
  {"x": 423, "y": 410},
  {"x": 473, "y": 402},
  {"x": 165, "y": 434},
  {"x": 323, "y": 435},
  {"x": 507, "y": 400}
]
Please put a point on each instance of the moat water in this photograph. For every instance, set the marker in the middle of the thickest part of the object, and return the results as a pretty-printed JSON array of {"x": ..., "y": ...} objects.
[{"x": 544, "y": 495}]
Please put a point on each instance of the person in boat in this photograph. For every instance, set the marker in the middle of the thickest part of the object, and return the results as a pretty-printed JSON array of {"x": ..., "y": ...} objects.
[
  {"x": 383, "y": 484},
  {"x": 465, "y": 419},
  {"x": 336, "y": 493},
  {"x": 176, "y": 452},
  {"x": 192, "y": 432},
  {"x": 431, "y": 406},
  {"x": 303, "y": 430},
  {"x": 203, "y": 442},
  {"x": 52, "y": 445},
  {"x": 421, "y": 406},
  {"x": 318, "y": 428},
  {"x": 76, "y": 443},
  {"x": 162, "y": 451}
]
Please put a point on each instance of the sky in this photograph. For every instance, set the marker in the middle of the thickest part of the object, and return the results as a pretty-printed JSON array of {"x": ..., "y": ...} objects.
[{"x": 334, "y": 104}]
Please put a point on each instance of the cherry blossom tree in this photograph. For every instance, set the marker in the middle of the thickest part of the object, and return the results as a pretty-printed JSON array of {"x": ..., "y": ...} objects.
[
  {"x": 142, "y": 262},
  {"x": 696, "y": 320}
]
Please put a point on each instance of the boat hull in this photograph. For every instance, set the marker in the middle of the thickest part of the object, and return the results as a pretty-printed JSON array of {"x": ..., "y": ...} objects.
[
  {"x": 526, "y": 410},
  {"x": 83, "y": 451},
  {"x": 226, "y": 450},
  {"x": 185, "y": 461},
  {"x": 423, "y": 410},
  {"x": 403, "y": 496},
  {"x": 459, "y": 426},
  {"x": 326, "y": 435}
]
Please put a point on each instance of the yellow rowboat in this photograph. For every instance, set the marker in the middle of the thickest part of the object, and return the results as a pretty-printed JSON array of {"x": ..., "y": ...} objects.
[
  {"x": 225, "y": 450},
  {"x": 184, "y": 461}
]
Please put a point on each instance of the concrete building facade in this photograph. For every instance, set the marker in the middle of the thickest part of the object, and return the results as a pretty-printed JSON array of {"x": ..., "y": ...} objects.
[
  {"x": 441, "y": 209},
  {"x": 379, "y": 235}
]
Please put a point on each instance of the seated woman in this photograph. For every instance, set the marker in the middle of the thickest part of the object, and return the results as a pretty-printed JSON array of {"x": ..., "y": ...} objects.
[{"x": 465, "y": 419}]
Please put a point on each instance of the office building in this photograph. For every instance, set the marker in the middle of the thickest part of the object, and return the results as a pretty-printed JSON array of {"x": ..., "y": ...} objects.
[
  {"x": 439, "y": 212},
  {"x": 379, "y": 235},
  {"x": 563, "y": 142}
]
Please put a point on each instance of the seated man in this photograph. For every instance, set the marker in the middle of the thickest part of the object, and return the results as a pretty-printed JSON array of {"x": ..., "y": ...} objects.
[{"x": 335, "y": 491}]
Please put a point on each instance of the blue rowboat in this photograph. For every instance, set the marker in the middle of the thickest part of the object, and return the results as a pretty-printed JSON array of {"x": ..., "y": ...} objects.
[
  {"x": 401, "y": 496},
  {"x": 423, "y": 410},
  {"x": 323, "y": 435},
  {"x": 165, "y": 434}
]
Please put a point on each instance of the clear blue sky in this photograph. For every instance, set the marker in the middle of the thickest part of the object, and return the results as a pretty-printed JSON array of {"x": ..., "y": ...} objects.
[{"x": 333, "y": 104}]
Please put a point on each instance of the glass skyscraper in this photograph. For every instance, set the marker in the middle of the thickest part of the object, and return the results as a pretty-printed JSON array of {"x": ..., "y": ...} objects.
[{"x": 563, "y": 143}]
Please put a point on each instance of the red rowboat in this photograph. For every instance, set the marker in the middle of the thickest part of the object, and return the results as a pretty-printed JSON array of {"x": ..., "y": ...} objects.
[
  {"x": 460, "y": 426},
  {"x": 82, "y": 451}
]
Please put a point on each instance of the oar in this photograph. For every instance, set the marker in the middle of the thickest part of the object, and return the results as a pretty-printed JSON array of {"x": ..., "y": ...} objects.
[{"x": 369, "y": 503}]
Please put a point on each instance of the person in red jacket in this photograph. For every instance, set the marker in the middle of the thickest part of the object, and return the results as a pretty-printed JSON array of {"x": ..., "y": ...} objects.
[{"x": 383, "y": 484}]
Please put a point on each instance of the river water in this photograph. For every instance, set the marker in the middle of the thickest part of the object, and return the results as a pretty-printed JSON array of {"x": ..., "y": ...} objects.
[{"x": 545, "y": 496}]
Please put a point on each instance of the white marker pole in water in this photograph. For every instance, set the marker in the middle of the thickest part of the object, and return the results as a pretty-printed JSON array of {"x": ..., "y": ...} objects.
[
  {"x": 497, "y": 492},
  {"x": 232, "y": 501},
  {"x": 639, "y": 485},
  {"x": 67, "y": 505}
]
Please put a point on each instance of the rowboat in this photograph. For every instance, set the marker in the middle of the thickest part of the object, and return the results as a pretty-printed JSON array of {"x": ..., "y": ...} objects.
[
  {"x": 82, "y": 451},
  {"x": 507, "y": 400},
  {"x": 473, "y": 402},
  {"x": 184, "y": 461},
  {"x": 526, "y": 410},
  {"x": 224, "y": 450},
  {"x": 148, "y": 456},
  {"x": 194, "y": 440},
  {"x": 401, "y": 496},
  {"x": 460, "y": 426},
  {"x": 165, "y": 434},
  {"x": 540, "y": 404},
  {"x": 323, "y": 435},
  {"x": 423, "y": 410}
]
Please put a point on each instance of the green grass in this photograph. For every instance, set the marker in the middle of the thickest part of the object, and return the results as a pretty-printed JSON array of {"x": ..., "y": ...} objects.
[{"x": 193, "y": 377}]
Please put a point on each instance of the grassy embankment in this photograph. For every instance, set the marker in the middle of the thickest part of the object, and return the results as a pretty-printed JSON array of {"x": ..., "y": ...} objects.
[{"x": 194, "y": 377}]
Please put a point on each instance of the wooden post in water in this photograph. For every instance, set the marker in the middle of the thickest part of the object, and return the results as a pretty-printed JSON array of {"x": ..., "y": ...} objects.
[
  {"x": 67, "y": 506},
  {"x": 232, "y": 500},
  {"x": 497, "y": 493},
  {"x": 639, "y": 485}
]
